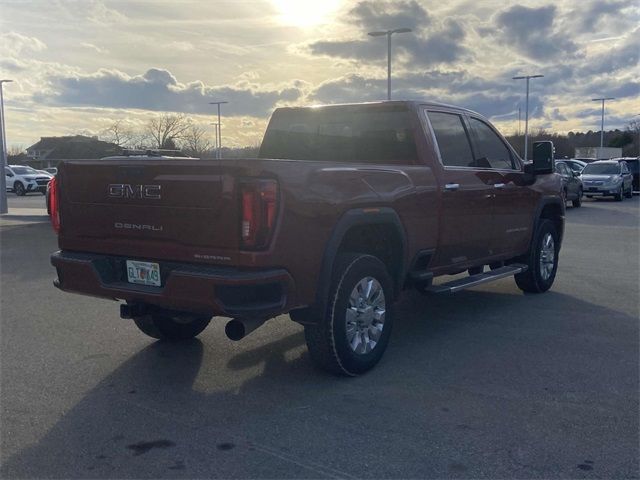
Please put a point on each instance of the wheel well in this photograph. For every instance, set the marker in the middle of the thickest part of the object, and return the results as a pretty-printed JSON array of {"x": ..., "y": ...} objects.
[
  {"x": 380, "y": 240},
  {"x": 553, "y": 212}
]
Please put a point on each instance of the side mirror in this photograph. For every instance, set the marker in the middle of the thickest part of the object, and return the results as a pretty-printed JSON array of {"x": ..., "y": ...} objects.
[{"x": 542, "y": 157}]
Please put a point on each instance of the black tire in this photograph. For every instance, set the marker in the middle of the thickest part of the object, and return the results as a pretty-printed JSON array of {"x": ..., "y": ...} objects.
[
  {"x": 19, "y": 189},
  {"x": 171, "y": 327},
  {"x": 327, "y": 339},
  {"x": 577, "y": 203},
  {"x": 630, "y": 193},
  {"x": 533, "y": 280},
  {"x": 620, "y": 195},
  {"x": 589, "y": 196},
  {"x": 476, "y": 270}
]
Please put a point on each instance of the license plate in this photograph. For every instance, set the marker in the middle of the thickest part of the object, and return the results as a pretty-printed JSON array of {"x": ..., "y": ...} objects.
[{"x": 143, "y": 273}]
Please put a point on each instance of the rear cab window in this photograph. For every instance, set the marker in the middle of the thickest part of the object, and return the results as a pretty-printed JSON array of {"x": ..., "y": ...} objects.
[
  {"x": 451, "y": 138},
  {"x": 343, "y": 133}
]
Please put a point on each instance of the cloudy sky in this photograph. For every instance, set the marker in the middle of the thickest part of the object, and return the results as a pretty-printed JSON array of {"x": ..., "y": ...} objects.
[{"x": 80, "y": 65}]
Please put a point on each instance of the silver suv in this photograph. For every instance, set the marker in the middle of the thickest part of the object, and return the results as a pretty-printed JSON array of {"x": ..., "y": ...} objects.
[{"x": 607, "y": 178}]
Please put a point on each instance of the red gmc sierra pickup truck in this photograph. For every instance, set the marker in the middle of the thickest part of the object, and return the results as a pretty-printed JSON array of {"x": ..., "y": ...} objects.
[{"x": 346, "y": 206}]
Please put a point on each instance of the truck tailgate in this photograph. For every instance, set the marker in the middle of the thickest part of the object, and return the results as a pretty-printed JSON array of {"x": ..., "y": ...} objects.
[{"x": 149, "y": 208}]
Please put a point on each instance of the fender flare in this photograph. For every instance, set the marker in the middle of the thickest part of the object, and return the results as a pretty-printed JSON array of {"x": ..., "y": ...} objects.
[
  {"x": 350, "y": 219},
  {"x": 544, "y": 202}
]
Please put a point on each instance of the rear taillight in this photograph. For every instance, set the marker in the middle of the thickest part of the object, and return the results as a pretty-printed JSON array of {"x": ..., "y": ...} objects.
[
  {"x": 259, "y": 206},
  {"x": 53, "y": 205}
]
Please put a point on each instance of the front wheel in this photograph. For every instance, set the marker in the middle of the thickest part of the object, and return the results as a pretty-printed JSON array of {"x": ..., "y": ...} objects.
[
  {"x": 19, "y": 189},
  {"x": 620, "y": 195},
  {"x": 171, "y": 327},
  {"x": 577, "y": 203},
  {"x": 630, "y": 192},
  {"x": 541, "y": 260},
  {"x": 354, "y": 332}
]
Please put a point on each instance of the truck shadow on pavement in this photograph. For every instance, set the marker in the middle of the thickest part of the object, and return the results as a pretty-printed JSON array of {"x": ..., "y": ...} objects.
[{"x": 173, "y": 410}]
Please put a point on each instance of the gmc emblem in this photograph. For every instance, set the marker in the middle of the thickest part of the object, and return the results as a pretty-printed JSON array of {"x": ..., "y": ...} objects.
[{"x": 124, "y": 190}]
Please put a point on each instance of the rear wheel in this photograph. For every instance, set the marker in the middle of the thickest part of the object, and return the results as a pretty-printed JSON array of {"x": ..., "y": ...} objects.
[
  {"x": 19, "y": 189},
  {"x": 541, "y": 260},
  {"x": 171, "y": 326},
  {"x": 354, "y": 332}
]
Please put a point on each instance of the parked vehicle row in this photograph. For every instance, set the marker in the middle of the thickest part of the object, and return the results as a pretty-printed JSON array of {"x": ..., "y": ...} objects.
[{"x": 615, "y": 178}]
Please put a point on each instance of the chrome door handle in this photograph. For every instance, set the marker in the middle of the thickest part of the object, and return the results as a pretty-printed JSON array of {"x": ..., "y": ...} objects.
[
  {"x": 450, "y": 187},
  {"x": 499, "y": 186}
]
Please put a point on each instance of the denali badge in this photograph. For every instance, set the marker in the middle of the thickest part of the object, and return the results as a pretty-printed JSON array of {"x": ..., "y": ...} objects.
[
  {"x": 124, "y": 190},
  {"x": 137, "y": 226}
]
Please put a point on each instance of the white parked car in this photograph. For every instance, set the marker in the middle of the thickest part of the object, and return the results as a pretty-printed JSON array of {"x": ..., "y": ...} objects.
[{"x": 21, "y": 180}]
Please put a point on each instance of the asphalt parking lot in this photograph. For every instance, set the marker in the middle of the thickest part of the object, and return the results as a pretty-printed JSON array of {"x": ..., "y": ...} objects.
[{"x": 489, "y": 383}]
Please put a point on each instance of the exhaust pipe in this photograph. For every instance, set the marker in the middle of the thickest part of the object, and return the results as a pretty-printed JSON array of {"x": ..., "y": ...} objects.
[{"x": 237, "y": 329}]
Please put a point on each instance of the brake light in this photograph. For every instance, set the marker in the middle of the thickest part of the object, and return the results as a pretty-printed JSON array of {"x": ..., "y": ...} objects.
[
  {"x": 259, "y": 204},
  {"x": 53, "y": 205}
]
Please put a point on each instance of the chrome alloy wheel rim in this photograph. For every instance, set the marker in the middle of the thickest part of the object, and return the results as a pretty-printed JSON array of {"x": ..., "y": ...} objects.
[
  {"x": 365, "y": 315},
  {"x": 547, "y": 256}
]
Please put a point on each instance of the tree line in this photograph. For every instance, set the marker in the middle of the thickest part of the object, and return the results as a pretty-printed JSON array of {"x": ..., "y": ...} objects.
[{"x": 565, "y": 145}]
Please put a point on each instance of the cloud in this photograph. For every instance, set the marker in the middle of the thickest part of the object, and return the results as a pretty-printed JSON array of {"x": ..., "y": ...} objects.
[
  {"x": 491, "y": 99},
  {"x": 596, "y": 12},
  {"x": 385, "y": 15},
  {"x": 159, "y": 90},
  {"x": 626, "y": 55},
  {"x": 14, "y": 44},
  {"x": 443, "y": 44},
  {"x": 531, "y": 31},
  {"x": 93, "y": 47}
]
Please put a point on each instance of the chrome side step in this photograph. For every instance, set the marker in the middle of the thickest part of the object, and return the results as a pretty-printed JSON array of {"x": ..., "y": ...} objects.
[{"x": 473, "y": 280}]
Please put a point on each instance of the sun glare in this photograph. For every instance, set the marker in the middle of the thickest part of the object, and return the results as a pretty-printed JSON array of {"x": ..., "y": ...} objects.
[{"x": 305, "y": 13}]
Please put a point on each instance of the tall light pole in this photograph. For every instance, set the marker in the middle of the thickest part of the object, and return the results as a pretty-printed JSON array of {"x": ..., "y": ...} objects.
[
  {"x": 526, "y": 112},
  {"x": 3, "y": 185},
  {"x": 215, "y": 127},
  {"x": 219, "y": 155},
  {"x": 388, "y": 33},
  {"x": 638, "y": 128},
  {"x": 602, "y": 117}
]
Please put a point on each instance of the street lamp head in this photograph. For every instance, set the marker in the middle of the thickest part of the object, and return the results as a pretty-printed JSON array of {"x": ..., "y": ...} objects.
[
  {"x": 217, "y": 103},
  {"x": 522, "y": 77},
  {"x": 6, "y": 81},
  {"x": 601, "y": 99},
  {"x": 377, "y": 34},
  {"x": 401, "y": 30}
]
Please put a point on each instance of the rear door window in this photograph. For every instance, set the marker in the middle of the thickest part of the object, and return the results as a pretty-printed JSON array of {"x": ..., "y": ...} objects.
[
  {"x": 491, "y": 152},
  {"x": 453, "y": 141}
]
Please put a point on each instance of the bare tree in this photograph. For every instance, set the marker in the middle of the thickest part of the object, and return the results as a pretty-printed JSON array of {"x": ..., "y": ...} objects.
[
  {"x": 15, "y": 150},
  {"x": 165, "y": 130},
  {"x": 195, "y": 142},
  {"x": 119, "y": 134}
]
